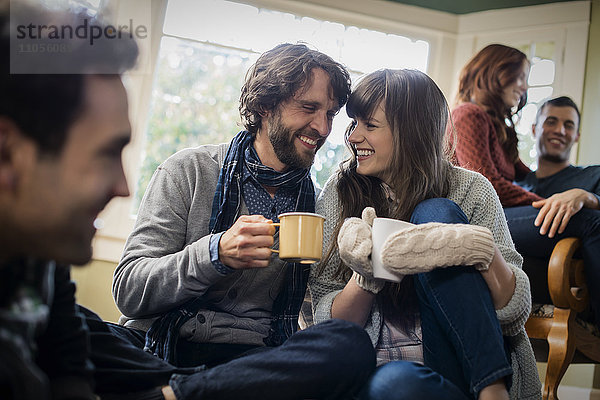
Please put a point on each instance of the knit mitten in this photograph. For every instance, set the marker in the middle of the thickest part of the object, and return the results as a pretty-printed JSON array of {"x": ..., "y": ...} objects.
[
  {"x": 424, "y": 247},
  {"x": 372, "y": 285},
  {"x": 355, "y": 244}
]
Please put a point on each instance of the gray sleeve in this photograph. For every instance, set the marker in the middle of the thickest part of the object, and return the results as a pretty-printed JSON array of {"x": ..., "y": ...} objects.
[
  {"x": 322, "y": 280},
  {"x": 488, "y": 212},
  {"x": 165, "y": 261},
  {"x": 325, "y": 285}
]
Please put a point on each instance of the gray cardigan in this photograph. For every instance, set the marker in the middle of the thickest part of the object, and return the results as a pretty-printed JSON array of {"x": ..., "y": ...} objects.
[
  {"x": 166, "y": 260},
  {"x": 478, "y": 200}
]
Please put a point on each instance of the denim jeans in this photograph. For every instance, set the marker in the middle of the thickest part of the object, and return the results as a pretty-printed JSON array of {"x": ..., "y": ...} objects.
[
  {"x": 585, "y": 225},
  {"x": 330, "y": 360},
  {"x": 463, "y": 347},
  {"x": 405, "y": 380}
]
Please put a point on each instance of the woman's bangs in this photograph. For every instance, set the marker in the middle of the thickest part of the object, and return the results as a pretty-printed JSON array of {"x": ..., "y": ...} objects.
[{"x": 362, "y": 103}]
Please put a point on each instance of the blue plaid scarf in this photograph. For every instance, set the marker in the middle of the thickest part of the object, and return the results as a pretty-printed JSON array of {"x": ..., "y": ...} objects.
[{"x": 161, "y": 338}]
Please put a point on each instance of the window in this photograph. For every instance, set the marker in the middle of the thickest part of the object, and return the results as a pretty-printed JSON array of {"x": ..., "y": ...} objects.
[
  {"x": 205, "y": 51},
  {"x": 541, "y": 81}
]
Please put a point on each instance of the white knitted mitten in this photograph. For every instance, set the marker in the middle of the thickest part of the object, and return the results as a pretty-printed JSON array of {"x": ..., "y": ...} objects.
[
  {"x": 354, "y": 243},
  {"x": 372, "y": 285},
  {"x": 424, "y": 247}
]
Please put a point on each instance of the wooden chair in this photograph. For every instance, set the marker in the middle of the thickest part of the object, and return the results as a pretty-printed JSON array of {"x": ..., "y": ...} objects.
[{"x": 557, "y": 337}]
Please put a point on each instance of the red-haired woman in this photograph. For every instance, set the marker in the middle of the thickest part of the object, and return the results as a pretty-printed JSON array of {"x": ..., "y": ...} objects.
[{"x": 492, "y": 88}]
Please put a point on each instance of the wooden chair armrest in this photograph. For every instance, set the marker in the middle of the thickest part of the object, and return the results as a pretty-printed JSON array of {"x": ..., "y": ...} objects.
[{"x": 566, "y": 281}]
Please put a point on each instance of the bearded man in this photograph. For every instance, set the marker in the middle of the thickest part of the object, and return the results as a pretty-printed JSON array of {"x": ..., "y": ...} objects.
[{"x": 197, "y": 283}]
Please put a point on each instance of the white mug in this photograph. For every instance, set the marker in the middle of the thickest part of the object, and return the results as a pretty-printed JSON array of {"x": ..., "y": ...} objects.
[{"x": 381, "y": 230}]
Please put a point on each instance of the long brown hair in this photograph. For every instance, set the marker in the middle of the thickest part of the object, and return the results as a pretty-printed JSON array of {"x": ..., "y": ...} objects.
[
  {"x": 417, "y": 113},
  {"x": 482, "y": 81}
]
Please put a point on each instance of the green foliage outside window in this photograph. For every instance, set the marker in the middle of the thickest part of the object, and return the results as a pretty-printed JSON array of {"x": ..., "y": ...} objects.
[{"x": 195, "y": 101}]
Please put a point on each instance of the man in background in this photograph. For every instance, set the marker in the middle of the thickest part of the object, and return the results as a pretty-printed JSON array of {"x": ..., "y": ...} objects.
[{"x": 571, "y": 195}]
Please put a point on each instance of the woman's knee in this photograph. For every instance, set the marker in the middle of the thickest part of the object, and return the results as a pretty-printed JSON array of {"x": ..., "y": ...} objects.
[
  {"x": 397, "y": 380},
  {"x": 438, "y": 210},
  {"x": 404, "y": 380}
]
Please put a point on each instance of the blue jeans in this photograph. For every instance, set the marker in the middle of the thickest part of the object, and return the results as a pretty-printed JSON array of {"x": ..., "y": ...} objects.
[
  {"x": 463, "y": 347},
  {"x": 584, "y": 225},
  {"x": 330, "y": 360},
  {"x": 405, "y": 380}
]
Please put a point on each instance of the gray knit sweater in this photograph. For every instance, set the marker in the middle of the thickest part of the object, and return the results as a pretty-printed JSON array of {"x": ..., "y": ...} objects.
[
  {"x": 166, "y": 260},
  {"x": 478, "y": 200}
]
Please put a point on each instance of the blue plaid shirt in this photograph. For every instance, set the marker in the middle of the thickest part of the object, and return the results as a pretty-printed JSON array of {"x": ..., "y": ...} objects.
[{"x": 259, "y": 202}]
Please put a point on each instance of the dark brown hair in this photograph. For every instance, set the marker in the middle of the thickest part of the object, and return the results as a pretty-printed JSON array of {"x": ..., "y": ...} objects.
[
  {"x": 279, "y": 73},
  {"x": 45, "y": 105},
  {"x": 482, "y": 81},
  {"x": 417, "y": 113},
  {"x": 562, "y": 101}
]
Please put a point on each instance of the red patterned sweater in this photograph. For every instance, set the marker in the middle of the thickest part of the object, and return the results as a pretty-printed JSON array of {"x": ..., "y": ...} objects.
[{"x": 478, "y": 149}]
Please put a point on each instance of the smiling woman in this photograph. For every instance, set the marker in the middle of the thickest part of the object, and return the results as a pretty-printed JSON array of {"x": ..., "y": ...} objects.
[
  {"x": 371, "y": 136},
  {"x": 399, "y": 171},
  {"x": 492, "y": 89}
]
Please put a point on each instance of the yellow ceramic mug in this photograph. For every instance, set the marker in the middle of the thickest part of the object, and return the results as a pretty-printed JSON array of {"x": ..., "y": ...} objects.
[{"x": 300, "y": 237}]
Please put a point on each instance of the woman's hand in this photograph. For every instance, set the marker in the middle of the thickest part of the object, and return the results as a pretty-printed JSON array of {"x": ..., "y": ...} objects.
[
  {"x": 354, "y": 242},
  {"x": 355, "y": 245}
]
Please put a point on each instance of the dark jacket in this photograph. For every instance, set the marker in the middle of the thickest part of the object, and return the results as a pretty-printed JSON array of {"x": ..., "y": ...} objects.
[{"x": 43, "y": 339}]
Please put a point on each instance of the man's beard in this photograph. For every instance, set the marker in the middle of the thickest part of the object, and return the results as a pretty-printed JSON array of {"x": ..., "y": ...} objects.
[
  {"x": 282, "y": 139},
  {"x": 557, "y": 159},
  {"x": 554, "y": 158}
]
